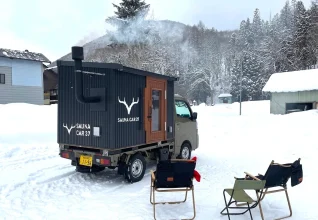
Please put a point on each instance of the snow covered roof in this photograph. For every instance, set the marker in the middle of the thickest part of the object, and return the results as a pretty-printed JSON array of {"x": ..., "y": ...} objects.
[
  {"x": 225, "y": 95},
  {"x": 303, "y": 80},
  {"x": 25, "y": 55}
]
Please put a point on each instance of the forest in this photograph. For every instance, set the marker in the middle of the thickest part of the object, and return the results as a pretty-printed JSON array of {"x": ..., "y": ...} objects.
[{"x": 209, "y": 62}]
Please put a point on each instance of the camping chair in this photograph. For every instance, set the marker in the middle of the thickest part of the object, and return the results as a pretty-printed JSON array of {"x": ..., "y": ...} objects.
[
  {"x": 238, "y": 195},
  {"x": 277, "y": 175},
  {"x": 175, "y": 175}
]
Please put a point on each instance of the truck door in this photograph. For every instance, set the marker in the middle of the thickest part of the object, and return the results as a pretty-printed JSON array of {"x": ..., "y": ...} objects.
[
  {"x": 155, "y": 110},
  {"x": 185, "y": 127}
]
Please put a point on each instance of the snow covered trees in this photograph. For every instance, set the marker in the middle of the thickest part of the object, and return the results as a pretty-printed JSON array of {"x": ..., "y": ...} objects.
[
  {"x": 210, "y": 62},
  {"x": 288, "y": 42}
]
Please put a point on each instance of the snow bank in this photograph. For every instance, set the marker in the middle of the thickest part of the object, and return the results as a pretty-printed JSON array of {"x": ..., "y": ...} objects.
[
  {"x": 31, "y": 123},
  {"x": 37, "y": 184},
  {"x": 304, "y": 80}
]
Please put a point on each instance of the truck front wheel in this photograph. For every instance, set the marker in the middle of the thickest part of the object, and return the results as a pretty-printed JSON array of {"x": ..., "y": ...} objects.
[
  {"x": 136, "y": 168},
  {"x": 185, "y": 151}
]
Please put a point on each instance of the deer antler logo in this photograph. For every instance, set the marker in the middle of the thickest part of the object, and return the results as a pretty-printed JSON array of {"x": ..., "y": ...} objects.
[
  {"x": 131, "y": 105},
  {"x": 69, "y": 129}
]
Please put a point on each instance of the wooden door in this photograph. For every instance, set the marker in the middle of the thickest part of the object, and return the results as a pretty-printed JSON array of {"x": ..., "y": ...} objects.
[{"x": 155, "y": 110}]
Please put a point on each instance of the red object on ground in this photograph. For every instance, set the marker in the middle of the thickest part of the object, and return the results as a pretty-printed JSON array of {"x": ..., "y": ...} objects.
[{"x": 196, "y": 174}]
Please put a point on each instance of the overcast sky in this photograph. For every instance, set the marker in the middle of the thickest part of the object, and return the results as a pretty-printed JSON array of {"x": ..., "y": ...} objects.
[{"x": 53, "y": 27}]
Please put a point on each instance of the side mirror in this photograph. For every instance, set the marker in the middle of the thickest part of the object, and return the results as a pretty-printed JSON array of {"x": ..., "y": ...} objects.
[{"x": 194, "y": 116}]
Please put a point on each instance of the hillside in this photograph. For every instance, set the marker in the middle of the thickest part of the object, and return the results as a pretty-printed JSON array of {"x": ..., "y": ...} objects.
[
  {"x": 211, "y": 62},
  {"x": 164, "y": 47},
  {"x": 108, "y": 43}
]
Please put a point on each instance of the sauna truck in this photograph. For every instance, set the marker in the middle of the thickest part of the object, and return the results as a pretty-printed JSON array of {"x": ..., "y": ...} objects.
[{"x": 114, "y": 116}]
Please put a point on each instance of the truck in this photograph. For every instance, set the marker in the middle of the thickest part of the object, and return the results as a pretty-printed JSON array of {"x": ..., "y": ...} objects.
[{"x": 114, "y": 116}]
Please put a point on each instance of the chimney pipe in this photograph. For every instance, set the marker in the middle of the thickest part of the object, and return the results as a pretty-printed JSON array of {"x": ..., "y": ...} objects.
[{"x": 78, "y": 56}]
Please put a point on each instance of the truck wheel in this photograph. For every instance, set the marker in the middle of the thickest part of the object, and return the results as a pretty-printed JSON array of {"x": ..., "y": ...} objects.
[
  {"x": 136, "y": 168},
  {"x": 185, "y": 151}
]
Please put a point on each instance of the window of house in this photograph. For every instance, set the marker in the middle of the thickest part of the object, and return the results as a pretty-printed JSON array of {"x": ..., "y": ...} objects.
[
  {"x": 182, "y": 109},
  {"x": 2, "y": 79}
]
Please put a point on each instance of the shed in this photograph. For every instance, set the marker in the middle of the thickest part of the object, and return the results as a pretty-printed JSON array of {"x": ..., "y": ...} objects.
[
  {"x": 293, "y": 91},
  {"x": 225, "y": 98}
]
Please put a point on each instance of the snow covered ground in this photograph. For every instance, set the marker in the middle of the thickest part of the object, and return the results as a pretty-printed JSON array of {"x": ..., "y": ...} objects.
[{"x": 35, "y": 183}]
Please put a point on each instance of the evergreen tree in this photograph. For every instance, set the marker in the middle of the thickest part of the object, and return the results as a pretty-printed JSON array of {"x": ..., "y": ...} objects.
[
  {"x": 313, "y": 12},
  {"x": 128, "y": 9},
  {"x": 257, "y": 28},
  {"x": 303, "y": 57},
  {"x": 235, "y": 80}
]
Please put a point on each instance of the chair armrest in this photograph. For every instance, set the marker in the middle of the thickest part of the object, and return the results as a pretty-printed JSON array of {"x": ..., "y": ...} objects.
[{"x": 250, "y": 175}]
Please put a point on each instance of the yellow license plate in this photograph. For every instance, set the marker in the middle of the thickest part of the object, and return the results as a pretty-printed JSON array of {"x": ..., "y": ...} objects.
[{"x": 86, "y": 160}]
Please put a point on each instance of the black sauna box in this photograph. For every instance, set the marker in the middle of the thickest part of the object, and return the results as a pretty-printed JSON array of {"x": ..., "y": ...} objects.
[{"x": 111, "y": 106}]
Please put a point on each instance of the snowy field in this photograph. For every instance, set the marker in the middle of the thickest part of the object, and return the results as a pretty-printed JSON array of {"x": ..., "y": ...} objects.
[{"x": 37, "y": 184}]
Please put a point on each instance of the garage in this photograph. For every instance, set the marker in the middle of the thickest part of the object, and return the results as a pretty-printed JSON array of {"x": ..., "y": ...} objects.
[{"x": 293, "y": 91}]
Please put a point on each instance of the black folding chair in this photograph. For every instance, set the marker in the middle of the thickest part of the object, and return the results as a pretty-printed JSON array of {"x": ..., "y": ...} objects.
[
  {"x": 277, "y": 175},
  {"x": 174, "y": 175}
]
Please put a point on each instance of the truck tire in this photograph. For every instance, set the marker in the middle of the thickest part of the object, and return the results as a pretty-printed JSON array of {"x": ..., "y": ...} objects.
[
  {"x": 185, "y": 151},
  {"x": 136, "y": 168}
]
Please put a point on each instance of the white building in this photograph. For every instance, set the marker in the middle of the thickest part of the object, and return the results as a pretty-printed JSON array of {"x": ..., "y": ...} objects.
[{"x": 21, "y": 77}]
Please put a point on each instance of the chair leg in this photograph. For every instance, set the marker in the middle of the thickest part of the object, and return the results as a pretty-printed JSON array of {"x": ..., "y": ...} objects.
[
  {"x": 288, "y": 201},
  {"x": 154, "y": 204},
  {"x": 226, "y": 206},
  {"x": 249, "y": 209},
  {"x": 193, "y": 203},
  {"x": 151, "y": 189},
  {"x": 260, "y": 205},
  {"x": 289, "y": 206},
  {"x": 185, "y": 197}
]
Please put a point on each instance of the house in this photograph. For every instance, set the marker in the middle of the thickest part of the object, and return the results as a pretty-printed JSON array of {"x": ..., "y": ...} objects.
[
  {"x": 21, "y": 76},
  {"x": 50, "y": 82},
  {"x": 293, "y": 91}
]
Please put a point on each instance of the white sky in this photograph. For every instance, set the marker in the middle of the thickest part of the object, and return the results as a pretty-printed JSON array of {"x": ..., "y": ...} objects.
[{"x": 53, "y": 27}]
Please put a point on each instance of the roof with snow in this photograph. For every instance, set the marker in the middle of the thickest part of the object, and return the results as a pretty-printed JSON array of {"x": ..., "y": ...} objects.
[
  {"x": 25, "y": 55},
  {"x": 303, "y": 80},
  {"x": 225, "y": 95}
]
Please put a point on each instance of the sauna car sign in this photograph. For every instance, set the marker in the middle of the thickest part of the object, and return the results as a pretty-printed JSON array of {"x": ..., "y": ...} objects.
[
  {"x": 80, "y": 129},
  {"x": 128, "y": 119}
]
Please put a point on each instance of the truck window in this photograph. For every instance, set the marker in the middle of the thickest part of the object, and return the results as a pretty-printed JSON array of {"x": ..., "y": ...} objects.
[{"x": 182, "y": 109}]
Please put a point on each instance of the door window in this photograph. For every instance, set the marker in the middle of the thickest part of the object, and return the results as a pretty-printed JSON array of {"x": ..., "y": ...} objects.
[
  {"x": 155, "y": 125},
  {"x": 182, "y": 109}
]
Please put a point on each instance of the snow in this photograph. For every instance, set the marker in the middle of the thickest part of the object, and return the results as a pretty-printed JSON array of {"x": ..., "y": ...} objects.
[
  {"x": 37, "y": 184},
  {"x": 304, "y": 80},
  {"x": 52, "y": 67},
  {"x": 16, "y": 54},
  {"x": 224, "y": 95}
]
